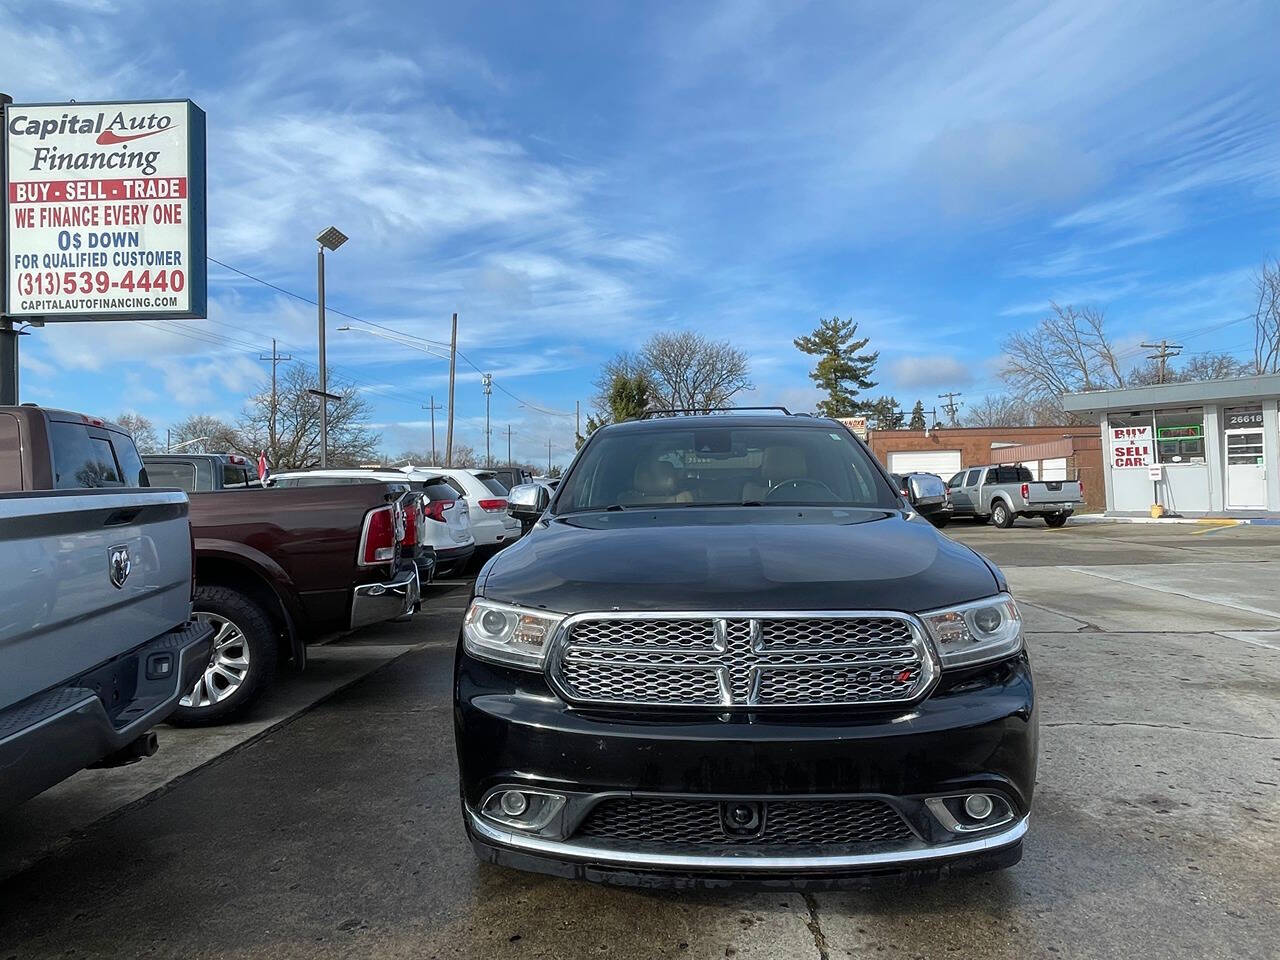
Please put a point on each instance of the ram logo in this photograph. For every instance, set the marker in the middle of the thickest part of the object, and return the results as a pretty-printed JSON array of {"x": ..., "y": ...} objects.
[{"x": 118, "y": 565}]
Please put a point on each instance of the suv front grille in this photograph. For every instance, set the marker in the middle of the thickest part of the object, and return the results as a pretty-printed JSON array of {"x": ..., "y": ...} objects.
[
  {"x": 653, "y": 823},
  {"x": 744, "y": 660}
]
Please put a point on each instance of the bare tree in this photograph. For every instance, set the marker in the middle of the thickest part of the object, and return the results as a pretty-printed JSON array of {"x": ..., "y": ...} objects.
[
  {"x": 688, "y": 371},
  {"x": 1266, "y": 320},
  {"x": 202, "y": 433},
  {"x": 998, "y": 410},
  {"x": 1213, "y": 366},
  {"x": 1067, "y": 352},
  {"x": 297, "y": 423},
  {"x": 142, "y": 430}
]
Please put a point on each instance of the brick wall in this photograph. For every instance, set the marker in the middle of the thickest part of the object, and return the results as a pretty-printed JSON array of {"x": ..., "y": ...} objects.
[{"x": 974, "y": 444}]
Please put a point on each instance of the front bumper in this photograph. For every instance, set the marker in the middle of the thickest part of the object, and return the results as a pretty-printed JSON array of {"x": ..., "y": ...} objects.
[
  {"x": 1000, "y": 848},
  {"x": 379, "y": 602},
  {"x": 49, "y": 737},
  {"x": 975, "y": 733}
]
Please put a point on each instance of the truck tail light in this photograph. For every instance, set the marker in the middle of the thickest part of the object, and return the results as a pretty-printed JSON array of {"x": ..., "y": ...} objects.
[
  {"x": 1080, "y": 484},
  {"x": 412, "y": 512},
  {"x": 493, "y": 506},
  {"x": 436, "y": 508},
  {"x": 378, "y": 541},
  {"x": 1026, "y": 491}
]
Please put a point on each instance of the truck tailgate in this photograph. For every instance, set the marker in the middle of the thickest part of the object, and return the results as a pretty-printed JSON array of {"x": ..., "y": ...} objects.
[
  {"x": 1053, "y": 491},
  {"x": 60, "y": 613}
]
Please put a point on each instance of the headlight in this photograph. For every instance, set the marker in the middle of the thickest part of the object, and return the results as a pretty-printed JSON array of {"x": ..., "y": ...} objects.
[
  {"x": 515, "y": 636},
  {"x": 976, "y": 632}
]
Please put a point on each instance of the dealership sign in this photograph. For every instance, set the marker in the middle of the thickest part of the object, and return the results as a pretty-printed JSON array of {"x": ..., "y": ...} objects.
[
  {"x": 1131, "y": 447},
  {"x": 858, "y": 425},
  {"x": 105, "y": 210}
]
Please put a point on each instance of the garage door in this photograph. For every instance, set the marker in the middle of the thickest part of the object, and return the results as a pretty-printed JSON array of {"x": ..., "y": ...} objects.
[{"x": 942, "y": 462}]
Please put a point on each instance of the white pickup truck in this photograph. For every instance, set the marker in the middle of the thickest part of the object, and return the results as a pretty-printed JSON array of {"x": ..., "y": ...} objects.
[
  {"x": 97, "y": 644},
  {"x": 1003, "y": 493}
]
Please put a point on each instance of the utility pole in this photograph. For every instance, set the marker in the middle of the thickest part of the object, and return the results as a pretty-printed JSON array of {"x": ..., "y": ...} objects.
[
  {"x": 577, "y": 420},
  {"x": 510, "y": 462},
  {"x": 433, "y": 407},
  {"x": 951, "y": 406},
  {"x": 548, "y": 456},
  {"x": 487, "y": 380},
  {"x": 276, "y": 360},
  {"x": 1163, "y": 351},
  {"x": 453, "y": 364}
]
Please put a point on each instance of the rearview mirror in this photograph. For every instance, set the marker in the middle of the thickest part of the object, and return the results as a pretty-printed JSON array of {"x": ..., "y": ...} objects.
[{"x": 527, "y": 501}]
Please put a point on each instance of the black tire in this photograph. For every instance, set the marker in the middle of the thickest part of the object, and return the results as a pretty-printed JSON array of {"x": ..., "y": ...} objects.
[
  {"x": 1055, "y": 519},
  {"x": 257, "y": 638},
  {"x": 1001, "y": 515}
]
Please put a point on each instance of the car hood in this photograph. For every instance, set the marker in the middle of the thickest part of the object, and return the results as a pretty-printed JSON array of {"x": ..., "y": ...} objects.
[{"x": 748, "y": 558}]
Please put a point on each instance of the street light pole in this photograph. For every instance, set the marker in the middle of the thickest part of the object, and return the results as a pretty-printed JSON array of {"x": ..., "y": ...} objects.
[
  {"x": 324, "y": 378},
  {"x": 453, "y": 363},
  {"x": 331, "y": 238},
  {"x": 487, "y": 380}
]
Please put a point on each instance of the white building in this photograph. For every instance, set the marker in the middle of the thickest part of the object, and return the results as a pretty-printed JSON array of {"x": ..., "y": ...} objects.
[{"x": 1203, "y": 448}]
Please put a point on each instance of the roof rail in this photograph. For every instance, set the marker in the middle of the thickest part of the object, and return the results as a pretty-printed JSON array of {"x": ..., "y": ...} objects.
[{"x": 698, "y": 411}]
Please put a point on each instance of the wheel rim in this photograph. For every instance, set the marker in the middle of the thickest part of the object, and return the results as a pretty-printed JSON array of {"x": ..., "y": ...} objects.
[
  {"x": 228, "y": 666},
  {"x": 999, "y": 514}
]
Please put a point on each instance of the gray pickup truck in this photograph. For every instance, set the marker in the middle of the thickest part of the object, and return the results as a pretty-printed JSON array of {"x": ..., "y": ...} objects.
[
  {"x": 97, "y": 644},
  {"x": 1002, "y": 493}
]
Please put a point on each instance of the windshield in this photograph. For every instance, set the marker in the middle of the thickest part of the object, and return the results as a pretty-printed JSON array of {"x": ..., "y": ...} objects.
[{"x": 724, "y": 465}]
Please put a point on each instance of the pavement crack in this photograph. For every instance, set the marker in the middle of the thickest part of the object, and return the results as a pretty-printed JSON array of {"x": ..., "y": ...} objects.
[
  {"x": 815, "y": 927},
  {"x": 1155, "y": 726}
]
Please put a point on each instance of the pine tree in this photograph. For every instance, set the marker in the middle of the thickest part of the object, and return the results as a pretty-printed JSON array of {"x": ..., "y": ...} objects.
[
  {"x": 886, "y": 413},
  {"x": 918, "y": 421},
  {"x": 841, "y": 371}
]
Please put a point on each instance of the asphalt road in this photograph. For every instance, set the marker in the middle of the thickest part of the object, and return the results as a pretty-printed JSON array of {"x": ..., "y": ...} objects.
[{"x": 1156, "y": 826}]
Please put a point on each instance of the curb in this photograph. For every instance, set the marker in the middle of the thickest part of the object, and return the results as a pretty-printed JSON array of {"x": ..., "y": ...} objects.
[{"x": 1202, "y": 521}]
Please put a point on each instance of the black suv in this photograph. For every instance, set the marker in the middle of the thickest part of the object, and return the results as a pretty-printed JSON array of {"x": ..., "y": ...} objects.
[{"x": 729, "y": 650}]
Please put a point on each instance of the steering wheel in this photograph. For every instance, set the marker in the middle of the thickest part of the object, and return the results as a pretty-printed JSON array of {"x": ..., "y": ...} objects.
[{"x": 802, "y": 482}]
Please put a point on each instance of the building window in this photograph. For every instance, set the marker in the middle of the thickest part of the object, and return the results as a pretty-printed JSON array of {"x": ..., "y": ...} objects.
[
  {"x": 1180, "y": 435},
  {"x": 1131, "y": 440}
]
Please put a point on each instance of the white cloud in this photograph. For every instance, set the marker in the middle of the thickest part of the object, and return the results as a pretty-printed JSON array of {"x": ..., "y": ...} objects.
[{"x": 940, "y": 371}]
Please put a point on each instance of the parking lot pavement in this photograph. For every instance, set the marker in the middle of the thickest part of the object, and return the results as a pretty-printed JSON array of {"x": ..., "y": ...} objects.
[{"x": 1156, "y": 828}]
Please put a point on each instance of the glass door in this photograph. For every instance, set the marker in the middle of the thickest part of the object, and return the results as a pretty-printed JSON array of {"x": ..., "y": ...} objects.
[{"x": 1246, "y": 470}]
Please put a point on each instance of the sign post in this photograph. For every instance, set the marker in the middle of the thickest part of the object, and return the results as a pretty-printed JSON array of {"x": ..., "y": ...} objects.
[
  {"x": 8, "y": 335},
  {"x": 104, "y": 214}
]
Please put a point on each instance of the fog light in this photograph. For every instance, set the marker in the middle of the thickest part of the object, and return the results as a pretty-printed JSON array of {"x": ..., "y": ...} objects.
[
  {"x": 514, "y": 803},
  {"x": 976, "y": 805}
]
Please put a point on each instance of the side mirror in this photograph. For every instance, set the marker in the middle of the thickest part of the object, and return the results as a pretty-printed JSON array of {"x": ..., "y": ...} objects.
[
  {"x": 527, "y": 501},
  {"x": 927, "y": 493}
]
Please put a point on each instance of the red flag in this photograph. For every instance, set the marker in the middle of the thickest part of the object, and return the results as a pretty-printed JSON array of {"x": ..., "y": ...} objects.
[{"x": 264, "y": 472}]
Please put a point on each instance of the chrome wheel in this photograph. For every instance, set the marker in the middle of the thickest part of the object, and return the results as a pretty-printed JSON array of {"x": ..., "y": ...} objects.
[{"x": 228, "y": 666}]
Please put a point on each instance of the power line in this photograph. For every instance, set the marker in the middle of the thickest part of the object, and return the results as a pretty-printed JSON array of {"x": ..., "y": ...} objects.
[
  {"x": 1163, "y": 351},
  {"x": 381, "y": 326}
]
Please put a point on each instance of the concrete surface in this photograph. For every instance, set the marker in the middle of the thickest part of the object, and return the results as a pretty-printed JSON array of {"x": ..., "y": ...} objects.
[
  {"x": 1156, "y": 827},
  {"x": 58, "y": 814}
]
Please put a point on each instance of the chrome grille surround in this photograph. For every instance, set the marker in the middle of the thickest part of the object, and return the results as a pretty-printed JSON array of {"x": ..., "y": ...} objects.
[{"x": 742, "y": 659}]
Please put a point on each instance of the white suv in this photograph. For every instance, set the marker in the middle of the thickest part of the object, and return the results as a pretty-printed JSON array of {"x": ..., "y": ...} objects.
[
  {"x": 487, "y": 498},
  {"x": 447, "y": 516}
]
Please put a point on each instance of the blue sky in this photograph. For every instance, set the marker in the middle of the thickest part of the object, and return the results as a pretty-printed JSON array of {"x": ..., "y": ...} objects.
[{"x": 573, "y": 177}]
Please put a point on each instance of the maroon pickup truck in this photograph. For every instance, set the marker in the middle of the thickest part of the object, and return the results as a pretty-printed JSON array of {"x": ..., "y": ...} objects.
[{"x": 276, "y": 569}]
